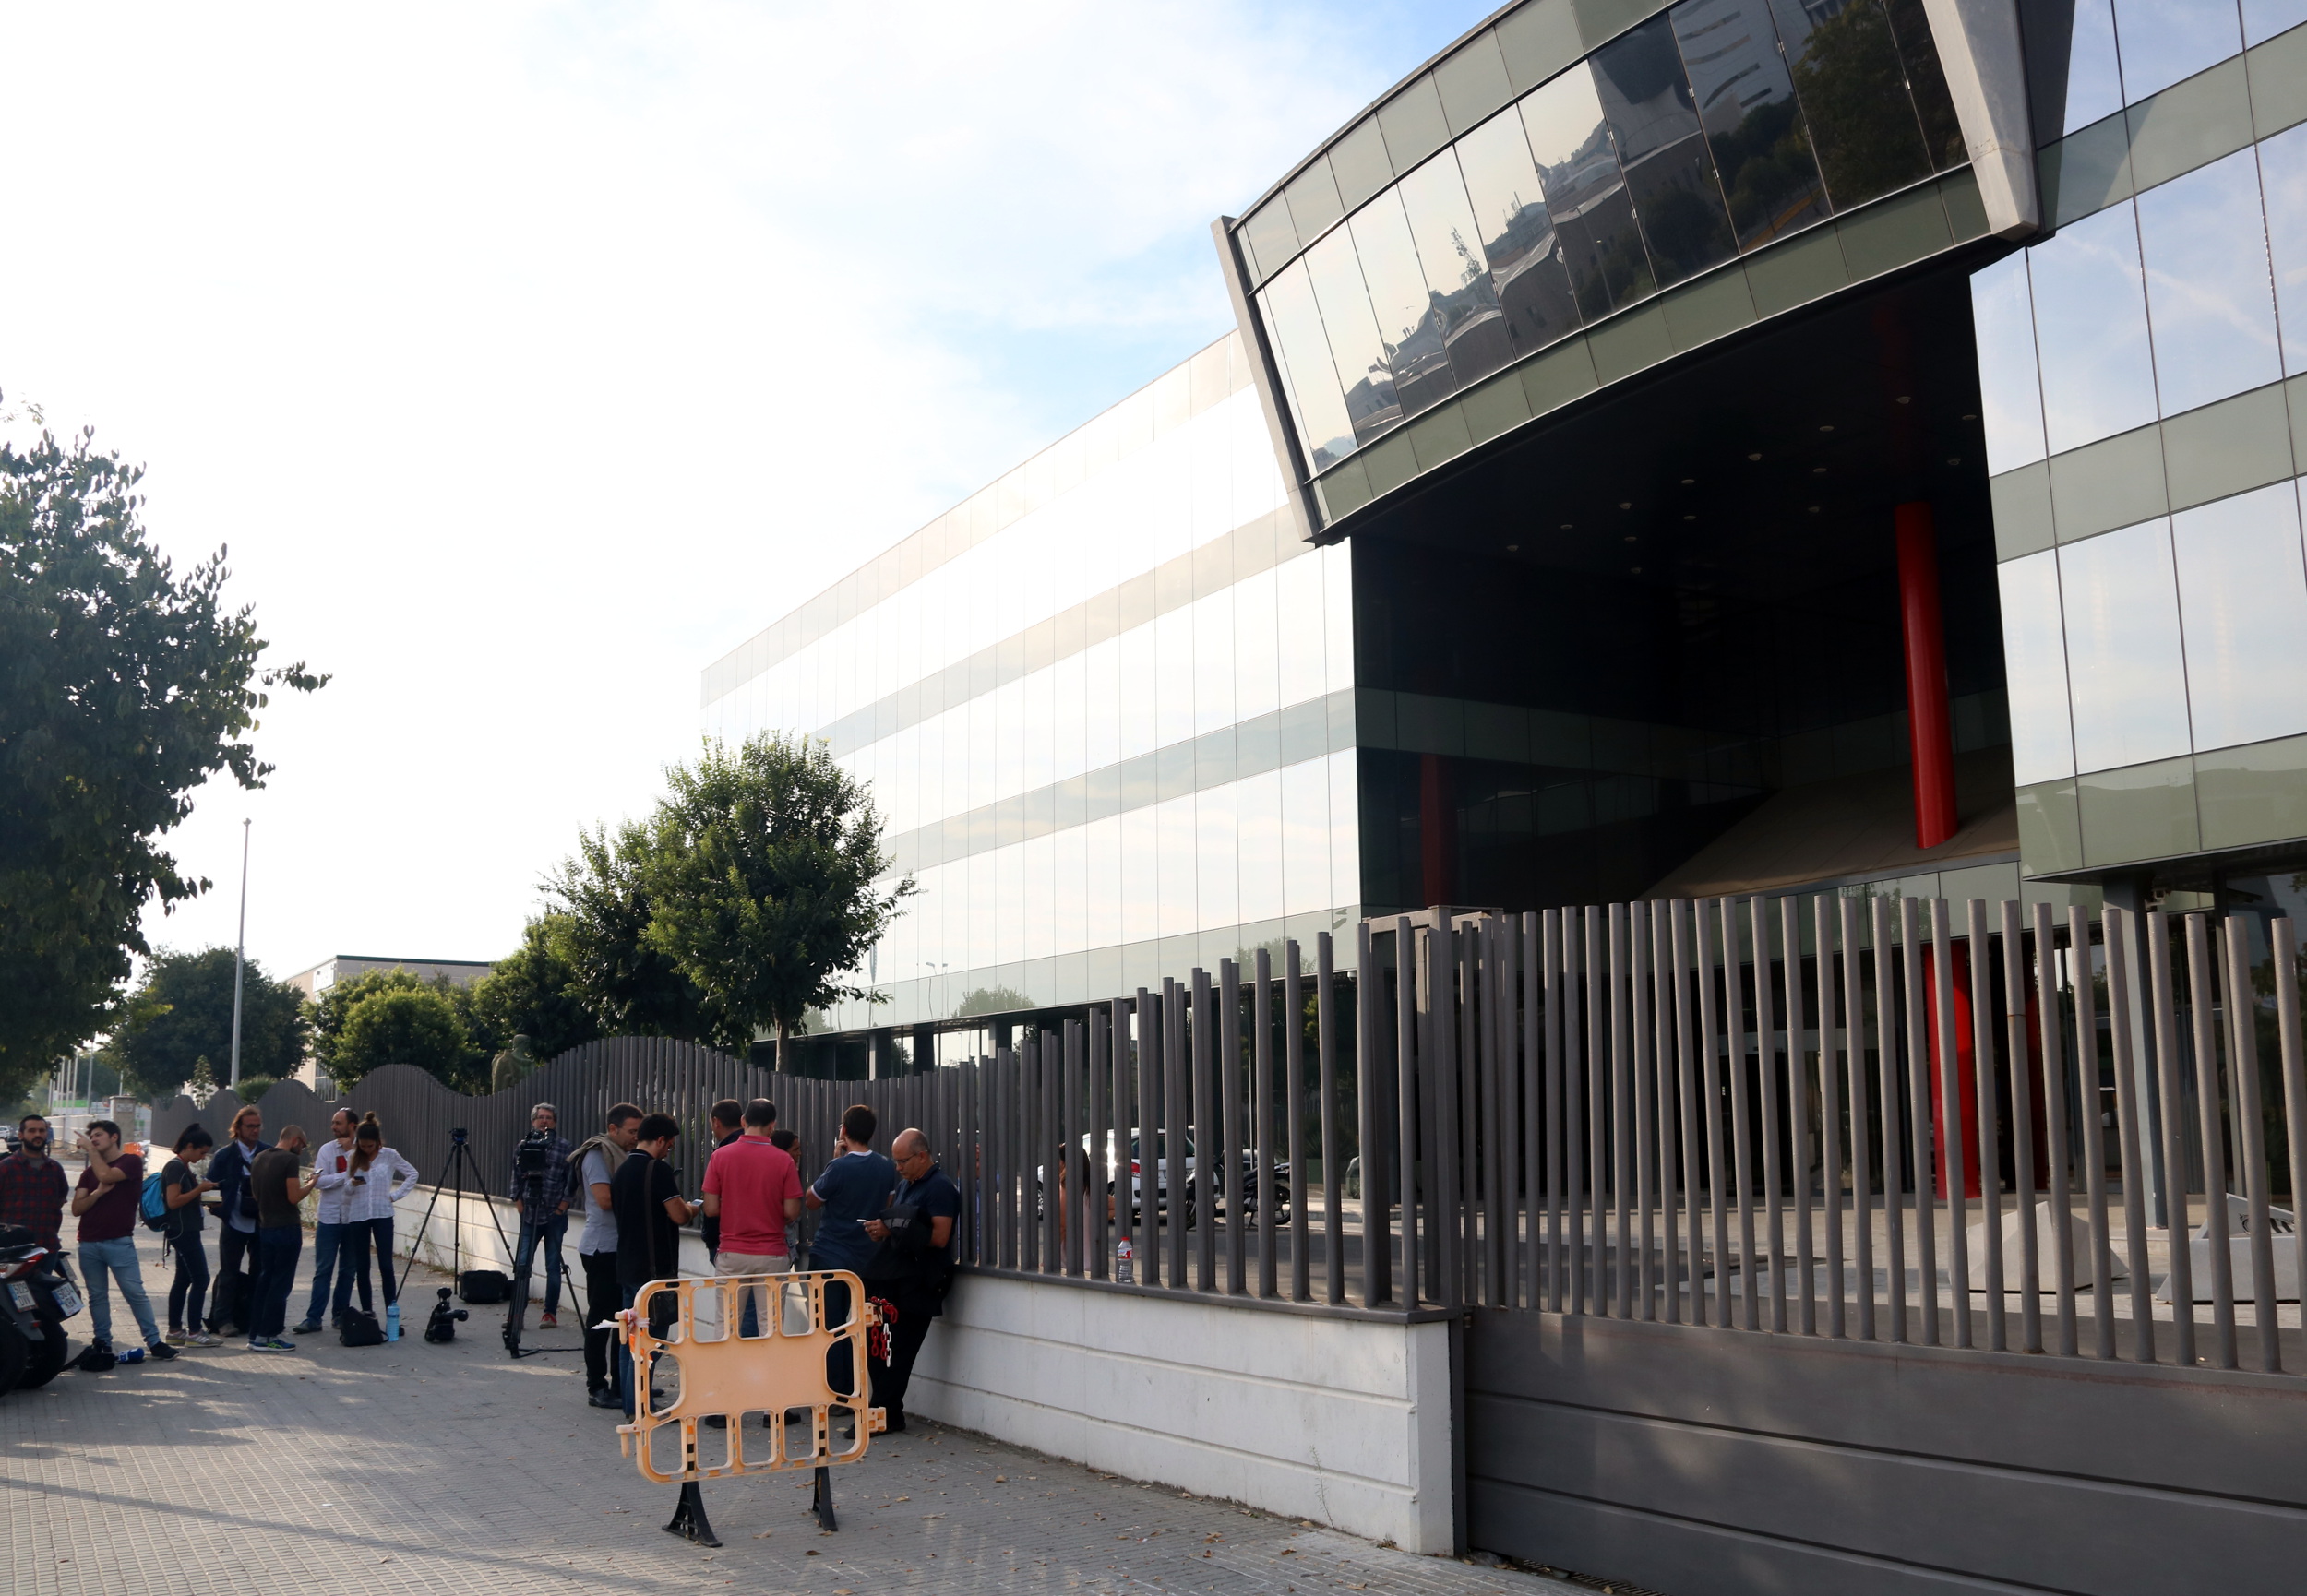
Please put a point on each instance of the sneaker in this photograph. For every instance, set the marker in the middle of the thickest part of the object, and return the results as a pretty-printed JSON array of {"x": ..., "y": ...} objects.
[
  {"x": 271, "y": 1344},
  {"x": 309, "y": 1328},
  {"x": 161, "y": 1351},
  {"x": 202, "y": 1338},
  {"x": 551, "y": 1321},
  {"x": 177, "y": 1338}
]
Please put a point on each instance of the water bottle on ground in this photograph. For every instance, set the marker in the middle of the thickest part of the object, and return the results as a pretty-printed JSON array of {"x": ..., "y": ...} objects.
[
  {"x": 132, "y": 1355},
  {"x": 392, "y": 1321}
]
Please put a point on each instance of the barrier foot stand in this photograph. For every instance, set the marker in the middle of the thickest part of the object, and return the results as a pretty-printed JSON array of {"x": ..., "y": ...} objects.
[
  {"x": 688, "y": 1519},
  {"x": 822, "y": 1501}
]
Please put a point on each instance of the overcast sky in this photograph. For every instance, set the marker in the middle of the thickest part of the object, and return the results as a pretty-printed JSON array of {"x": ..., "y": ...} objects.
[{"x": 530, "y": 357}]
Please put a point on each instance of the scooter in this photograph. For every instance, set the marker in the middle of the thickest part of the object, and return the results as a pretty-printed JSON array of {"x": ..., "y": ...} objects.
[{"x": 37, "y": 1295}]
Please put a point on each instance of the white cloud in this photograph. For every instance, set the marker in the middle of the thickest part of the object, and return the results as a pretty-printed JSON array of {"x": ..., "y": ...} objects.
[{"x": 530, "y": 357}]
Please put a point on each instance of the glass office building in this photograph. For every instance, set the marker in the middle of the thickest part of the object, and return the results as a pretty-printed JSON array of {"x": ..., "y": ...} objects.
[
  {"x": 1105, "y": 706},
  {"x": 1740, "y": 446}
]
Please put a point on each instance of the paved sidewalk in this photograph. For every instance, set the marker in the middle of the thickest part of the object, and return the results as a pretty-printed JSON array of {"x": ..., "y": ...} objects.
[{"x": 423, "y": 1469}]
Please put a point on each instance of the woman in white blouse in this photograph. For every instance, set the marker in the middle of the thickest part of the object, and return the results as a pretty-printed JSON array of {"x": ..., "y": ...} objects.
[{"x": 380, "y": 1178}]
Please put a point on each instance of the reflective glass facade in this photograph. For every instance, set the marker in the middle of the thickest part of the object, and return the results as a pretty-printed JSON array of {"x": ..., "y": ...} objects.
[
  {"x": 1712, "y": 129},
  {"x": 2139, "y": 427},
  {"x": 1105, "y": 707}
]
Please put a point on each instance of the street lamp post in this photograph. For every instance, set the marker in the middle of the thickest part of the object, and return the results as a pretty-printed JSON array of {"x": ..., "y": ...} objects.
[{"x": 239, "y": 952}]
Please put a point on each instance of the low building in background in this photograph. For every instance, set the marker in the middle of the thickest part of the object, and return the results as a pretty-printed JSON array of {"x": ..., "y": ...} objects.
[{"x": 316, "y": 981}]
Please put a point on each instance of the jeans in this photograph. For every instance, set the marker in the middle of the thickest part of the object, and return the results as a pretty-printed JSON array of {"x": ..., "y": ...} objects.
[
  {"x": 601, "y": 1292},
  {"x": 190, "y": 1287},
  {"x": 235, "y": 1255},
  {"x": 624, "y": 1356},
  {"x": 277, "y": 1252},
  {"x": 118, "y": 1258},
  {"x": 916, "y": 1310},
  {"x": 328, "y": 1243},
  {"x": 352, "y": 1263},
  {"x": 551, "y": 1230}
]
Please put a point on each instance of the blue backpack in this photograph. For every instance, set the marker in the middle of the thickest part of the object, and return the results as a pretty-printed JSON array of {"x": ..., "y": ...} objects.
[{"x": 153, "y": 1205}]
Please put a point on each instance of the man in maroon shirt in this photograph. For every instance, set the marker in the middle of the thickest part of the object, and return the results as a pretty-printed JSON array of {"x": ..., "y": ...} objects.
[
  {"x": 106, "y": 1202},
  {"x": 32, "y": 1188}
]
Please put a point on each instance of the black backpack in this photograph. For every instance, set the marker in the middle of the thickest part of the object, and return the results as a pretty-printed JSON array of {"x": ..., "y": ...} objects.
[
  {"x": 484, "y": 1286},
  {"x": 228, "y": 1302},
  {"x": 359, "y": 1328}
]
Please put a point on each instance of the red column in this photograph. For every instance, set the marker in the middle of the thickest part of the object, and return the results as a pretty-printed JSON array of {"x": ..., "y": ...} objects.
[
  {"x": 1930, "y": 724},
  {"x": 1437, "y": 830}
]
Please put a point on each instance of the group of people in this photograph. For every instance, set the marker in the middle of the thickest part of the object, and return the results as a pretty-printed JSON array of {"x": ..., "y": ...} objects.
[
  {"x": 887, "y": 1219},
  {"x": 256, "y": 1189}
]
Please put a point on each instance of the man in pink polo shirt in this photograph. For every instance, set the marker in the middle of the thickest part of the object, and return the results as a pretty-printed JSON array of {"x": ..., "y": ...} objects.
[{"x": 752, "y": 1188}]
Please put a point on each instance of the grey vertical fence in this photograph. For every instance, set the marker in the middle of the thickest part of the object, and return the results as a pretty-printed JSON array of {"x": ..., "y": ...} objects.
[{"x": 1958, "y": 1125}]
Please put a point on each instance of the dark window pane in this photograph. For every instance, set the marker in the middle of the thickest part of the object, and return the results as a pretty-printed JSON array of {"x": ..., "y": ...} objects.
[
  {"x": 2090, "y": 327},
  {"x": 2283, "y": 170},
  {"x": 1746, "y": 103},
  {"x": 1398, "y": 294},
  {"x": 1647, "y": 102},
  {"x": 1457, "y": 277},
  {"x": 1585, "y": 194},
  {"x": 1853, "y": 88},
  {"x": 2207, "y": 295},
  {"x": 2164, "y": 41},
  {"x": 1303, "y": 349},
  {"x": 1515, "y": 232},
  {"x": 1357, "y": 347},
  {"x": 1926, "y": 80},
  {"x": 2073, "y": 79}
]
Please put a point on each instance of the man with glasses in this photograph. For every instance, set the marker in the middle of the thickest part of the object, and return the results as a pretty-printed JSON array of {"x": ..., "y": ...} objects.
[
  {"x": 543, "y": 1198},
  {"x": 913, "y": 1266}
]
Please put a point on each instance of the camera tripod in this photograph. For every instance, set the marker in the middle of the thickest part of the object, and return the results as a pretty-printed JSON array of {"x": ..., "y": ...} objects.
[{"x": 460, "y": 1159}]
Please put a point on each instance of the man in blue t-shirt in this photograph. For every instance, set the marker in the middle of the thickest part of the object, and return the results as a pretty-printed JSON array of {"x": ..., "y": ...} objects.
[{"x": 855, "y": 1187}]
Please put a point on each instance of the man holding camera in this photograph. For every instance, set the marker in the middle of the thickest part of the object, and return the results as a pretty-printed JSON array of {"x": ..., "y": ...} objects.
[{"x": 539, "y": 1189}]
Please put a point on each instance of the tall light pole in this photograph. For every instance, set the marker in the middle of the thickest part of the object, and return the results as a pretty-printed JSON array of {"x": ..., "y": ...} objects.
[{"x": 240, "y": 951}]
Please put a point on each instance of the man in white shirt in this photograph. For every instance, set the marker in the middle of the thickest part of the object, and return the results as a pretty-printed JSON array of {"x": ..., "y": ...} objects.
[
  {"x": 332, "y": 1169},
  {"x": 596, "y": 1163}
]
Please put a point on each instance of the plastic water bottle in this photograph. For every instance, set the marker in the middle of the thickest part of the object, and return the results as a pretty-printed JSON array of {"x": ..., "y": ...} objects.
[
  {"x": 132, "y": 1355},
  {"x": 1125, "y": 1262},
  {"x": 392, "y": 1321}
]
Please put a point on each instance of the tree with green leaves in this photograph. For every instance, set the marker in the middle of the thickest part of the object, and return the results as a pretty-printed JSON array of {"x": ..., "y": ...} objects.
[
  {"x": 125, "y": 686},
  {"x": 182, "y": 1012},
  {"x": 629, "y": 986},
  {"x": 750, "y": 892},
  {"x": 403, "y": 1025},
  {"x": 531, "y": 993},
  {"x": 335, "y": 1005}
]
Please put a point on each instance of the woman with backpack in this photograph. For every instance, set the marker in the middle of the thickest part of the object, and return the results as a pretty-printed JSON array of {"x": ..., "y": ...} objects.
[
  {"x": 380, "y": 1177},
  {"x": 181, "y": 1191}
]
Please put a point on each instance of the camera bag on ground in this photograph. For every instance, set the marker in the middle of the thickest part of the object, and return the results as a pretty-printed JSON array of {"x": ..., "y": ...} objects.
[
  {"x": 96, "y": 1360},
  {"x": 484, "y": 1286},
  {"x": 359, "y": 1328},
  {"x": 228, "y": 1303}
]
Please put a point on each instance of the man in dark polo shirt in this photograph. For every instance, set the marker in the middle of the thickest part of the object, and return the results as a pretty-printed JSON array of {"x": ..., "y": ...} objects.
[
  {"x": 277, "y": 1178},
  {"x": 645, "y": 1195},
  {"x": 913, "y": 1268},
  {"x": 105, "y": 1201}
]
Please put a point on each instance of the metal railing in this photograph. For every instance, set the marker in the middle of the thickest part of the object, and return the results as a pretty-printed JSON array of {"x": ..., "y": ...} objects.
[{"x": 1969, "y": 1125}]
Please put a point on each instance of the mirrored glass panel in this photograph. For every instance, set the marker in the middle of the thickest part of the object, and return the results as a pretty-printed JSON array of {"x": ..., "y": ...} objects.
[
  {"x": 1853, "y": 88},
  {"x": 1585, "y": 194},
  {"x": 1407, "y": 317},
  {"x": 2009, "y": 385},
  {"x": 2242, "y": 597},
  {"x": 2283, "y": 180},
  {"x": 1926, "y": 81},
  {"x": 1515, "y": 232},
  {"x": 2164, "y": 41},
  {"x": 1457, "y": 276},
  {"x": 1358, "y": 349},
  {"x": 1662, "y": 152},
  {"x": 2125, "y": 669},
  {"x": 1295, "y": 322},
  {"x": 2090, "y": 330},
  {"x": 2072, "y": 78},
  {"x": 1745, "y": 101},
  {"x": 2035, "y": 663},
  {"x": 2208, "y": 299}
]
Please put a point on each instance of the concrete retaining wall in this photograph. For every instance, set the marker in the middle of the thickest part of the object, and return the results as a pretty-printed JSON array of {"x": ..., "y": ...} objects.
[{"x": 1342, "y": 1421}]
